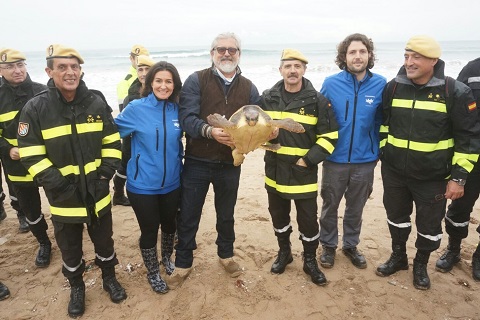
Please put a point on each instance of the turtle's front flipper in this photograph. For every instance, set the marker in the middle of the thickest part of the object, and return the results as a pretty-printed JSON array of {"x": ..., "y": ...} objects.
[
  {"x": 289, "y": 124},
  {"x": 219, "y": 121}
]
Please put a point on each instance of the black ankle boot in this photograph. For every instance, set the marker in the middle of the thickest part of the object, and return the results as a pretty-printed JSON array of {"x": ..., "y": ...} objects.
[
  {"x": 44, "y": 252},
  {"x": 284, "y": 256},
  {"x": 76, "y": 306},
  {"x": 4, "y": 292},
  {"x": 421, "y": 280},
  {"x": 119, "y": 197},
  {"x": 310, "y": 267},
  {"x": 476, "y": 265},
  {"x": 398, "y": 261},
  {"x": 452, "y": 256},
  {"x": 112, "y": 286}
]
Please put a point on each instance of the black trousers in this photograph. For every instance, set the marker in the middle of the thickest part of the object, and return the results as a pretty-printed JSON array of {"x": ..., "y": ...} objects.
[
  {"x": 29, "y": 202},
  {"x": 153, "y": 211},
  {"x": 399, "y": 194},
  {"x": 307, "y": 219},
  {"x": 69, "y": 237}
]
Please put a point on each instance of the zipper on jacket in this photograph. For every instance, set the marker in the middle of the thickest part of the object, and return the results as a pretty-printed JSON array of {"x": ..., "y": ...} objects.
[
  {"x": 355, "y": 102},
  {"x": 164, "y": 143},
  {"x": 346, "y": 109},
  {"x": 412, "y": 115},
  {"x": 137, "y": 159},
  {"x": 156, "y": 131}
]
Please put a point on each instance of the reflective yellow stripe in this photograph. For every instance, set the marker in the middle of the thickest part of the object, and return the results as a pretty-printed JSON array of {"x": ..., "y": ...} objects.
[
  {"x": 90, "y": 167},
  {"x": 278, "y": 115},
  {"x": 383, "y": 142},
  {"x": 326, "y": 145},
  {"x": 291, "y": 189},
  {"x": 111, "y": 153},
  {"x": 420, "y": 146},
  {"x": 70, "y": 169},
  {"x": 330, "y": 135},
  {"x": 56, "y": 132},
  {"x": 27, "y": 178},
  {"x": 8, "y": 116},
  {"x": 32, "y": 151},
  {"x": 384, "y": 128},
  {"x": 421, "y": 105},
  {"x": 289, "y": 151},
  {"x": 13, "y": 142},
  {"x": 464, "y": 160},
  {"x": 89, "y": 127},
  {"x": 40, "y": 166},
  {"x": 80, "y": 211},
  {"x": 111, "y": 138}
]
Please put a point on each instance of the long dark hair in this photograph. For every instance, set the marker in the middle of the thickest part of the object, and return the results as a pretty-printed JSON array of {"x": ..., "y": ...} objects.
[
  {"x": 343, "y": 47},
  {"x": 162, "y": 66}
]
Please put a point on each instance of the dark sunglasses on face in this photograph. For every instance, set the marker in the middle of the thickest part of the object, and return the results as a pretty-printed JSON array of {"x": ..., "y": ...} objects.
[{"x": 222, "y": 50}]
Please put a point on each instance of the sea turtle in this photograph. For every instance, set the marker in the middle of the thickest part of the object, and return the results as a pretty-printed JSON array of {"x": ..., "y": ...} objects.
[{"x": 250, "y": 128}]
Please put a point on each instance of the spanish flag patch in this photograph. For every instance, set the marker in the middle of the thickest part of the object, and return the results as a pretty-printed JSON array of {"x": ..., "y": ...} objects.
[{"x": 472, "y": 106}]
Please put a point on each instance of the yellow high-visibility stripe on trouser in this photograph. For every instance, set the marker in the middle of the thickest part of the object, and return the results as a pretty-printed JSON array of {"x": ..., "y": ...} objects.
[
  {"x": 306, "y": 188},
  {"x": 80, "y": 211}
]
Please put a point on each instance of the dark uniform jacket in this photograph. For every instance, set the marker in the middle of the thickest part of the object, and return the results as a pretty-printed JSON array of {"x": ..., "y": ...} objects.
[
  {"x": 422, "y": 137},
  {"x": 204, "y": 93},
  {"x": 314, "y": 112},
  {"x": 68, "y": 147},
  {"x": 12, "y": 100}
]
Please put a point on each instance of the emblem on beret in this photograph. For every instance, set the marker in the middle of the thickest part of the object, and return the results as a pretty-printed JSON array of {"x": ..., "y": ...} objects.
[
  {"x": 137, "y": 50},
  {"x": 4, "y": 57},
  {"x": 23, "y": 129},
  {"x": 50, "y": 50}
]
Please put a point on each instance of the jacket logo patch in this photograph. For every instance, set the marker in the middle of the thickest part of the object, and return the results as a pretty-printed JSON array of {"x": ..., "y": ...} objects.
[
  {"x": 369, "y": 100},
  {"x": 23, "y": 129},
  {"x": 90, "y": 119},
  {"x": 472, "y": 106}
]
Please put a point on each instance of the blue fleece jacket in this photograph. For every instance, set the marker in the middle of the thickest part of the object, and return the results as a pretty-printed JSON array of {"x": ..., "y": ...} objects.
[
  {"x": 157, "y": 149},
  {"x": 357, "y": 107}
]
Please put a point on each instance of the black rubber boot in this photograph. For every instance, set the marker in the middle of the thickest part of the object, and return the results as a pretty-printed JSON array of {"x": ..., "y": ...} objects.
[
  {"x": 398, "y": 261},
  {"x": 167, "y": 242},
  {"x": 421, "y": 280},
  {"x": 310, "y": 267},
  {"x": 44, "y": 252},
  {"x": 452, "y": 256},
  {"x": 23, "y": 226},
  {"x": 150, "y": 259},
  {"x": 4, "y": 292},
  {"x": 112, "y": 286},
  {"x": 119, "y": 197},
  {"x": 76, "y": 306},
  {"x": 476, "y": 264},
  {"x": 284, "y": 256}
]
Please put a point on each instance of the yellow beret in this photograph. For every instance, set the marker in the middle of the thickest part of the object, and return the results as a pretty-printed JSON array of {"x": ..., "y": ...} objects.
[
  {"x": 139, "y": 49},
  {"x": 143, "y": 60},
  {"x": 60, "y": 51},
  {"x": 11, "y": 55},
  {"x": 292, "y": 54},
  {"x": 425, "y": 45}
]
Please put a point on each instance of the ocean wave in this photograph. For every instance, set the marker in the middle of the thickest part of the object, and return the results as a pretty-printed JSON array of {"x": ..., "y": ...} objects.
[{"x": 179, "y": 54}]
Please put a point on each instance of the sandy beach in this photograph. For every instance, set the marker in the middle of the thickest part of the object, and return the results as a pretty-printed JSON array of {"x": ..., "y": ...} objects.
[{"x": 209, "y": 293}]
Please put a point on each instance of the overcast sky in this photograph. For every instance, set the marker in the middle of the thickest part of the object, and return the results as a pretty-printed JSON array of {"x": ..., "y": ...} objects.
[{"x": 32, "y": 25}]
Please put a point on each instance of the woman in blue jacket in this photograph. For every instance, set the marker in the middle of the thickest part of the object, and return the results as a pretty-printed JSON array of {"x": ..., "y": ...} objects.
[{"x": 153, "y": 170}]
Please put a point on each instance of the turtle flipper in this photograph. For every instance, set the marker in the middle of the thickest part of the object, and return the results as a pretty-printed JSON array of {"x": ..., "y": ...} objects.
[
  {"x": 219, "y": 121},
  {"x": 289, "y": 124},
  {"x": 238, "y": 157},
  {"x": 270, "y": 146}
]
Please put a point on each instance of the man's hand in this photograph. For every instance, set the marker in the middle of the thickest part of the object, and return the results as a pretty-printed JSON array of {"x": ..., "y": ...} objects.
[
  {"x": 14, "y": 154},
  {"x": 454, "y": 190},
  {"x": 301, "y": 163},
  {"x": 274, "y": 134},
  {"x": 221, "y": 136}
]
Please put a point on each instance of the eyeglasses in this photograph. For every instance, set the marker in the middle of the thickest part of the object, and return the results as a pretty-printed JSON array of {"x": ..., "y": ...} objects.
[
  {"x": 222, "y": 50},
  {"x": 12, "y": 66}
]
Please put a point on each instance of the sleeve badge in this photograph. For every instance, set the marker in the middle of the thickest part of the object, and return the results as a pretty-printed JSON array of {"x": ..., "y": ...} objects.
[{"x": 23, "y": 129}]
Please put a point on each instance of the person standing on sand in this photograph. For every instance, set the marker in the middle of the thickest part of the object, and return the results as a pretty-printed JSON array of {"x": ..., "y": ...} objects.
[
  {"x": 430, "y": 139},
  {"x": 356, "y": 98},
  {"x": 457, "y": 218},
  {"x": 70, "y": 145},
  {"x": 16, "y": 88},
  {"x": 208, "y": 155},
  {"x": 153, "y": 183},
  {"x": 291, "y": 173}
]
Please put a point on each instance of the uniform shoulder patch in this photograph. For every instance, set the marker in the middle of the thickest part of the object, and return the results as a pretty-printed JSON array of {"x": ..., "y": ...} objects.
[
  {"x": 23, "y": 129},
  {"x": 472, "y": 106}
]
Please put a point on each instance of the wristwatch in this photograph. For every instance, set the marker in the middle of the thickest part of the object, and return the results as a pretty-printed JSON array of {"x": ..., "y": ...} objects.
[{"x": 460, "y": 182}]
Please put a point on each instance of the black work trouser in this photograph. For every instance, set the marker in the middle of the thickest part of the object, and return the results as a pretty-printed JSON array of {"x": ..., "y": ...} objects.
[{"x": 29, "y": 201}]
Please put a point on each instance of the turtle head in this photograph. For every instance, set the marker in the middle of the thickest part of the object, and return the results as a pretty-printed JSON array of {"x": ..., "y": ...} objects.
[{"x": 251, "y": 115}]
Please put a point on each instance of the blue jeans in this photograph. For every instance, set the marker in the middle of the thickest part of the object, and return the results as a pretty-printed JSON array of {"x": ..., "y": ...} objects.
[{"x": 196, "y": 178}]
